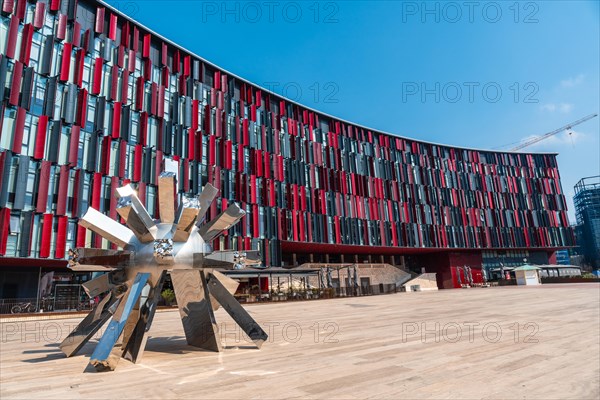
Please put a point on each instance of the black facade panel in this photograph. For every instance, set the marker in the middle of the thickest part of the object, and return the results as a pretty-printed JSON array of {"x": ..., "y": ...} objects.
[
  {"x": 3, "y": 72},
  {"x": 99, "y": 114},
  {"x": 46, "y": 56},
  {"x": 50, "y": 97},
  {"x": 126, "y": 124},
  {"x": 25, "y": 235},
  {"x": 27, "y": 88}
]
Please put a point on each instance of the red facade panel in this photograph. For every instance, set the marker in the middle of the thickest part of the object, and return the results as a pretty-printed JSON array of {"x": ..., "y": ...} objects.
[
  {"x": 96, "y": 190},
  {"x": 99, "y": 26},
  {"x": 19, "y": 128},
  {"x": 65, "y": 64},
  {"x": 61, "y": 237},
  {"x": 15, "y": 88},
  {"x": 81, "y": 112},
  {"x": 79, "y": 64},
  {"x": 40, "y": 138},
  {"x": 97, "y": 83},
  {"x": 116, "y": 121},
  {"x": 42, "y": 191},
  {"x": 112, "y": 27},
  {"x": 55, "y": 5},
  {"x": 8, "y": 6},
  {"x": 61, "y": 28},
  {"x": 4, "y": 229},
  {"x": 74, "y": 145},
  {"x": 26, "y": 37},
  {"x": 11, "y": 41},
  {"x": 46, "y": 235},
  {"x": 39, "y": 15}
]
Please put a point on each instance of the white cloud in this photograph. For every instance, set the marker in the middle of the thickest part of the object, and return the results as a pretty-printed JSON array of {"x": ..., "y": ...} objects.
[
  {"x": 563, "y": 108},
  {"x": 571, "y": 82}
]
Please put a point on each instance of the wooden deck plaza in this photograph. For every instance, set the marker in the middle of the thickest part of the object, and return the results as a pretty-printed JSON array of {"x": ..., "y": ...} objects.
[{"x": 483, "y": 343}]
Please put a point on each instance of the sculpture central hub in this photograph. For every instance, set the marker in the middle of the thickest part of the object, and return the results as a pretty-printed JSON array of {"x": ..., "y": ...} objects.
[
  {"x": 163, "y": 250},
  {"x": 178, "y": 245}
]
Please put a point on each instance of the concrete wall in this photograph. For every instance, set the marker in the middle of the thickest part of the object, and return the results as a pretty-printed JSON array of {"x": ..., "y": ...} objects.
[
  {"x": 377, "y": 273},
  {"x": 426, "y": 282}
]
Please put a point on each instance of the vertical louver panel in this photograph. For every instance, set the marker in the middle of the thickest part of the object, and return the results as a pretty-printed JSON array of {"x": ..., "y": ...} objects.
[
  {"x": 46, "y": 235},
  {"x": 61, "y": 237},
  {"x": 99, "y": 25}
]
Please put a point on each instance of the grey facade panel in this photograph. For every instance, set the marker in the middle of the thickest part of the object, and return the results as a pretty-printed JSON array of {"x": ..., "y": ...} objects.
[
  {"x": 70, "y": 101},
  {"x": 187, "y": 112},
  {"x": 21, "y": 183},
  {"x": 5, "y": 178},
  {"x": 91, "y": 153}
]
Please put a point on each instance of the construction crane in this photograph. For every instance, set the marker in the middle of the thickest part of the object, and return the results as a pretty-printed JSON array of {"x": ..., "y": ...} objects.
[{"x": 552, "y": 133}]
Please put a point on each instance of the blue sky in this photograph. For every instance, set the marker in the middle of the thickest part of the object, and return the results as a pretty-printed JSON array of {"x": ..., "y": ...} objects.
[{"x": 479, "y": 74}]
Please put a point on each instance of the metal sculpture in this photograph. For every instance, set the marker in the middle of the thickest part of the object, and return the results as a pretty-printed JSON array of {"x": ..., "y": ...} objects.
[{"x": 178, "y": 245}]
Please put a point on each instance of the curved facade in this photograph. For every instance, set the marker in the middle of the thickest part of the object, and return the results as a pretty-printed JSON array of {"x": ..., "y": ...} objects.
[{"x": 91, "y": 99}]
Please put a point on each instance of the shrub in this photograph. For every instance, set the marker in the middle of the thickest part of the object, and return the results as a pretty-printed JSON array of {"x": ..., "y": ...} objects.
[{"x": 168, "y": 295}]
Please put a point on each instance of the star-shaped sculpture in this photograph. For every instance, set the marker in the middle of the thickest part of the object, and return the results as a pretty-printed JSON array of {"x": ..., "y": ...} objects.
[{"x": 179, "y": 245}]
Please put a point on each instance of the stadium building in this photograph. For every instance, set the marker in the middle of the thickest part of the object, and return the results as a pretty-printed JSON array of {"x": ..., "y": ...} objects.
[{"x": 92, "y": 99}]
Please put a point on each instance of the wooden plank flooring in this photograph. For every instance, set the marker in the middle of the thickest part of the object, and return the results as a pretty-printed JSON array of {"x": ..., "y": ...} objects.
[{"x": 487, "y": 343}]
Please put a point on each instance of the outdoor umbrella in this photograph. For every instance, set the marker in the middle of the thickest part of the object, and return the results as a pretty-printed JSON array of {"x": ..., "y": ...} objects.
[
  {"x": 470, "y": 275},
  {"x": 322, "y": 278}
]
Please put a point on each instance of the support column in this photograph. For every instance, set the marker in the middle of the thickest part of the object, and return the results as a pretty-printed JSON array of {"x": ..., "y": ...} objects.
[{"x": 259, "y": 288}]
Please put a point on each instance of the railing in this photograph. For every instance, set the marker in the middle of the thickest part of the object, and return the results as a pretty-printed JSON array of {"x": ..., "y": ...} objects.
[
  {"x": 323, "y": 293},
  {"x": 33, "y": 305},
  {"x": 345, "y": 265}
]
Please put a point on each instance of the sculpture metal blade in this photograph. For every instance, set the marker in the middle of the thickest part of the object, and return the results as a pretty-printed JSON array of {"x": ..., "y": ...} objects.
[
  {"x": 186, "y": 218},
  {"x": 101, "y": 357},
  {"x": 196, "y": 312},
  {"x": 166, "y": 197},
  {"x": 133, "y": 349},
  {"x": 221, "y": 223},
  {"x": 108, "y": 228},
  {"x": 205, "y": 199},
  {"x": 136, "y": 217},
  {"x": 89, "y": 326},
  {"x": 178, "y": 245},
  {"x": 237, "y": 312}
]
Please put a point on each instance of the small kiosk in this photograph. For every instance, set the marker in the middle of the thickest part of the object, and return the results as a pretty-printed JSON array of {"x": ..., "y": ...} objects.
[{"x": 527, "y": 275}]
